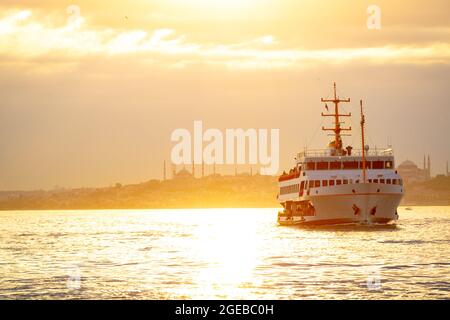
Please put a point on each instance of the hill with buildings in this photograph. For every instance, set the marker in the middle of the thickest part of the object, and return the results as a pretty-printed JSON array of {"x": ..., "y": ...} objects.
[
  {"x": 181, "y": 192},
  {"x": 420, "y": 187},
  {"x": 434, "y": 191}
]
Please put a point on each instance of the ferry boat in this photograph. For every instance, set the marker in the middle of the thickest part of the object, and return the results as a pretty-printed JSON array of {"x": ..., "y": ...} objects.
[{"x": 341, "y": 185}]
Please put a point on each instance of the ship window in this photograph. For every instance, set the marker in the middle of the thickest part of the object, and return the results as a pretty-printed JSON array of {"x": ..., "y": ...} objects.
[
  {"x": 382, "y": 181},
  {"x": 370, "y": 180},
  {"x": 388, "y": 181},
  {"x": 338, "y": 182},
  {"x": 324, "y": 183},
  {"x": 388, "y": 164},
  {"x": 368, "y": 164},
  {"x": 375, "y": 180},
  {"x": 345, "y": 181},
  {"x": 317, "y": 183},
  {"x": 311, "y": 184},
  {"x": 334, "y": 165},
  {"x": 322, "y": 165},
  {"x": 378, "y": 165},
  {"x": 310, "y": 166},
  {"x": 302, "y": 185},
  {"x": 350, "y": 164},
  {"x": 331, "y": 182},
  {"x": 357, "y": 181}
]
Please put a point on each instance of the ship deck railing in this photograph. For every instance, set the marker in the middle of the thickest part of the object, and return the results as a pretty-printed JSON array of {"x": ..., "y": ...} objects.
[{"x": 355, "y": 153}]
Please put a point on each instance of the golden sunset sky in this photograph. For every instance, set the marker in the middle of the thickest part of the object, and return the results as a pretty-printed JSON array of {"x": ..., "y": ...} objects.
[{"x": 91, "y": 90}]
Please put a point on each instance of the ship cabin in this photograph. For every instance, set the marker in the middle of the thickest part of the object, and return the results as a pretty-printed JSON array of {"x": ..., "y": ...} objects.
[
  {"x": 323, "y": 161},
  {"x": 317, "y": 168}
]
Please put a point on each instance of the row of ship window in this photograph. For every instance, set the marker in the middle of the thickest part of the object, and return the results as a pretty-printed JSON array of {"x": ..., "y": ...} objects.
[
  {"x": 325, "y": 183},
  {"x": 347, "y": 165}
]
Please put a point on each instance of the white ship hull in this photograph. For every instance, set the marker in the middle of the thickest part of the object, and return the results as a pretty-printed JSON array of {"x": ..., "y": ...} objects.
[{"x": 361, "y": 203}]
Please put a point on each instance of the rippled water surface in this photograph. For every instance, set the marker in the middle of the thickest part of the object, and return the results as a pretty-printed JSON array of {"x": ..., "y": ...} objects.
[{"x": 220, "y": 253}]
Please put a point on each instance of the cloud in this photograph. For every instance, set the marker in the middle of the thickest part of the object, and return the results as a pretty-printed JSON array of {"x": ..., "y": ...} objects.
[{"x": 27, "y": 38}]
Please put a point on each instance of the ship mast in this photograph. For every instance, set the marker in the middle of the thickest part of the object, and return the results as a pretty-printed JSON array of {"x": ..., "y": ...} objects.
[
  {"x": 363, "y": 121},
  {"x": 337, "y": 143}
]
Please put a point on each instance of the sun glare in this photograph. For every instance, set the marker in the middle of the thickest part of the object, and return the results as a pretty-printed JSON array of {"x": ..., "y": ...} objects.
[{"x": 231, "y": 258}]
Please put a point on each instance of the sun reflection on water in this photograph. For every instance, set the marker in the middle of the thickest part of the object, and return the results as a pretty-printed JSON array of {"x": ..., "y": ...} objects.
[{"x": 229, "y": 248}]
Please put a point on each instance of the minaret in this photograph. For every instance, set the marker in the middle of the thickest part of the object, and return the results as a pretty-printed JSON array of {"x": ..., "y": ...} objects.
[
  {"x": 214, "y": 169},
  {"x": 424, "y": 165},
  {"x": 164, "y": 173},
  {"x": 203, "y": 169},
  {"x": 429, "y": 167},
  {"x": 446, "y": 169},
  {"x": 193, "y": 169}
]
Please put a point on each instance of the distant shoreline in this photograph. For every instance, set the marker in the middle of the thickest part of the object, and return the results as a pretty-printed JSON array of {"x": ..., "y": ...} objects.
[
  {"x": 243, "y": 206},
  {"x": 242, "y": 191}
]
